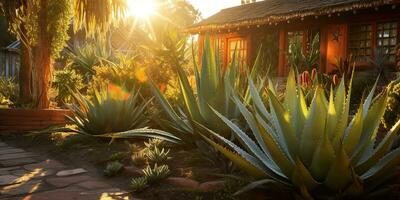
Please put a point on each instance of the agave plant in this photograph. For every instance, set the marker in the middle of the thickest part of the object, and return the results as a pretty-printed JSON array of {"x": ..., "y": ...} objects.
[
  {"x": 115, "y": 113},
  {"x": 213, "y": 86},
  {"x": 313, "y": 146}
]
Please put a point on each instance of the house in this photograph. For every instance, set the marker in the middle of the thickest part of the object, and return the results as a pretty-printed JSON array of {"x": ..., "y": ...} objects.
[
  {"x": 10, "y": 60},
  {"x": 345, "y": 27}
]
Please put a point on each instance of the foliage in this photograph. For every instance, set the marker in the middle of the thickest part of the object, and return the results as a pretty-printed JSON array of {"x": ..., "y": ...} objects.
[
  {"x": 313, "y": 148},
  {"x": 344, "y": 67},
  {"x": 392, "y": 114},
  {"x": 301, "y": 60},
  {"x": 124, "y": 70},
  {"x": 65, "y": 81},
  {"x": 113, "y": 168},
  {"x": 161, "y": 44},
  {"x": 213, "y": 87},
  {"x": 85, "y": 57},
  {"x": 310, "y": 82},
  {"x": 138, "y": 184},
  {"x": 379, "y": 62},
  {"x": 95, "y": 17},
  {"x": 28, "y": 15},
  {"x": 110, "y": 109},
  {"x": 156, "y": 173},
  {"x": 153, "y": 143},
  {"x": 114, "y": 113},
  {"x": 118, "y": 156},
  {"x": 157, "y": 155},
  {"x": 42, "y": 27},
  {"x": 138, "y": 158},
  {"x": 8, "y": 91}
]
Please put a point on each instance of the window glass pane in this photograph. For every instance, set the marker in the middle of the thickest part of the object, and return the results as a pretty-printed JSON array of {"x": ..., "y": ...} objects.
[
  {"x": 360, "y": 39},
  {"x": 240, "y": 45},
  {"x": 387, "y": 39}
]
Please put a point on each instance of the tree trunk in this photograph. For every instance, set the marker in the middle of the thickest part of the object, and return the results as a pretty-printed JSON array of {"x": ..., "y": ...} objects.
[
  {"x": 25, "y": 76},
  {"x": 42, "y": 62}
]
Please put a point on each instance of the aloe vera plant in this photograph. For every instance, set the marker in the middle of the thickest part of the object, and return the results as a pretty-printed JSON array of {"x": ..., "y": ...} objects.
[
  {"x": 213, "y": 87},
  {"x": 313, "y": 146},
  {"x": 114, "y": 113}
]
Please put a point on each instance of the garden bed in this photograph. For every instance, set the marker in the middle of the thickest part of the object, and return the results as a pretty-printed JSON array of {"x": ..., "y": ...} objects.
[
  {"x": 25, "y": 120},
  {"x": 187, "y": 167}
]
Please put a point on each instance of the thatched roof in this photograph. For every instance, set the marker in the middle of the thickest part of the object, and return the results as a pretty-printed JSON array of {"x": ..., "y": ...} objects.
[{"x": 275, "y": 11}]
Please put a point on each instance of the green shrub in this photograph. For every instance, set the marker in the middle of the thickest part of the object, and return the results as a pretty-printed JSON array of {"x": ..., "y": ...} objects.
[
  {"x": 115, "y": 113},
  {"x": 138, "y": 184},
  {"x": 8, "y": 91},
  {"x": 156, "y": 173},
  {"x": 65, "y": 81},
  {"x": 301, "y": 60},
  {"x": 118, "y": 156},
  {"x": 157, "y": 155},
  {"x": 392, "y": 114},
  {"x": 314, "y": 148},
  {"x": 113, "y": 168},
  {"x": 83, "y": 58}
]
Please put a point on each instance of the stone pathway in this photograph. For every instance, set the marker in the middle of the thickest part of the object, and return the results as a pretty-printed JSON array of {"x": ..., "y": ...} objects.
[{"x": 28, "y": 176}]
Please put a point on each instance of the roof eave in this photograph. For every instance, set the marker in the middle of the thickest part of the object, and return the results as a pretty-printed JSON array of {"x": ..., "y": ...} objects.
[{"x": 274, "y": 19}]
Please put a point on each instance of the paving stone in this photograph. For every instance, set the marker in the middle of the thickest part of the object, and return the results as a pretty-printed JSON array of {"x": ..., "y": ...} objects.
[
  {"x": 212, "y": 186},
  {"x": 69, "y": 194},
  {"x": 65, "y": 181},
  {"x": 71, "y": 172},
  {"x": 23, "y": 188},
  {"x": 19, "y": 172},
  {"x": 7, "y": 170},
  {"x": 183, "y": 182},
  {"x": 16, "y": 156},
  {"x": 17, "y": 162},
  {"x": 25, "y": 175},
  {"x": 92, "y": 185},
  {"x": 10, "y": 150},
  {"x": 8, "y": 180},
  {"x": 2, "y": 144},
  {"x": 48, "y": 164}
]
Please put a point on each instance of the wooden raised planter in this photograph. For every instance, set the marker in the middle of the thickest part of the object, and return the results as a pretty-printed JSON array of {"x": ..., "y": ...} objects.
[{"x": 25, "y": 120}]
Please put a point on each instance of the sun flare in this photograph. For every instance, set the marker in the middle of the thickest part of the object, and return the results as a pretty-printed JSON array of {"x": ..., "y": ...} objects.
[{"x": 141, "y": 8}]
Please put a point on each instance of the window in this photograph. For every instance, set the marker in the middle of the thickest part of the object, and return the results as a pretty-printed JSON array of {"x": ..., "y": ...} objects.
[
  {"x": 360, "y": 41},
  {"x": 240, "y": 45},
  {"x": 294, "y": 37},
  {"x": 387, "y": 39},
  {"x": 219, "y": 44}
]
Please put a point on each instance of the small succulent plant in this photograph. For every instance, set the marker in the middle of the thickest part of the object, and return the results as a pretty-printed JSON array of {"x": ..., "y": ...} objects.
[
  {"x": 118, "y": 156},
  {"x": 138, "y": 184},
  {"x": 138, "y": 158},
  {"x": 153, "y": 143},
  {"x": 157, "y": 155},
  {"x": 157, "y": 173},
  {"x": 113, "y": 168}
]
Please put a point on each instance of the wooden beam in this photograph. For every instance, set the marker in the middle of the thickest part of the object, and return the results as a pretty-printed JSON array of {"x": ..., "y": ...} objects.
[{"x": 282, "y": 53}]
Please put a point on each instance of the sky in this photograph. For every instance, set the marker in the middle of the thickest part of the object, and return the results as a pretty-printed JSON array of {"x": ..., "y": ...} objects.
[{"x": 210, "y": 7}]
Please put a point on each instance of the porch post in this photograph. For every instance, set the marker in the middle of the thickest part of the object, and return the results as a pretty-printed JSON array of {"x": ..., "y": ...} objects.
[{"x": 282, "y": 53}]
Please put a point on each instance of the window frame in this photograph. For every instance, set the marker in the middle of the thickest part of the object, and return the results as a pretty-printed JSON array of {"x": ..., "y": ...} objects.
[
  {"x": 228, "y": 49},
  {"x": 374, "y": 40}
]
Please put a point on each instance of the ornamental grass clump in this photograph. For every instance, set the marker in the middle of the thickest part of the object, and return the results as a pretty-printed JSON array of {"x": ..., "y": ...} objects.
[
  {"x": 213, "y": 86},
  {"x": 112, "y": 112},
  {"x": 314, "y": 147}
]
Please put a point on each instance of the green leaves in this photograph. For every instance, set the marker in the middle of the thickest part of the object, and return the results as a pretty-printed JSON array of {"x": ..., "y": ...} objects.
[
  {"x": 114, "y": 113},
  {"x": 312, "y": 145},
  {"x": 213, "y": 88}
]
